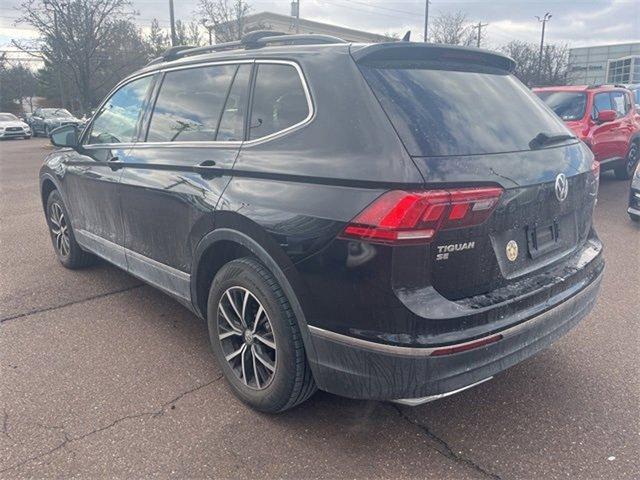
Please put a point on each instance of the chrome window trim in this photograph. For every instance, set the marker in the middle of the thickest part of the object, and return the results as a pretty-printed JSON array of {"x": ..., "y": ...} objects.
[
  {"x": 307, "y": 94},
  {"x": 209, "y": 143}
]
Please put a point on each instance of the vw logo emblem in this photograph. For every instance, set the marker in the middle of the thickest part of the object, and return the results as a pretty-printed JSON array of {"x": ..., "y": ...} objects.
[{"x": 562, "y": 187}]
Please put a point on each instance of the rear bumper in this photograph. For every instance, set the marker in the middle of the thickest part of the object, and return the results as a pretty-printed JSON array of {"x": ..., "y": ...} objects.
[{"x": 358, "y": 368}]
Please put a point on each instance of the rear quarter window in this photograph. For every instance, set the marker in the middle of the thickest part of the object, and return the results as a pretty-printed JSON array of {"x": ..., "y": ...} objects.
[{"x": 279, "y": 100}]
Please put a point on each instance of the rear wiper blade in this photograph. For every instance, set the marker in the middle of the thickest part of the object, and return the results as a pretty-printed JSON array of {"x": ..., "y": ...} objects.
[{"x": 544, "y": 139}]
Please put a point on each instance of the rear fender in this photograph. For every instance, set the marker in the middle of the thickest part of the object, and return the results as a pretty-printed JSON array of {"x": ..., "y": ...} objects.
[{"x": 250, "y": 236}]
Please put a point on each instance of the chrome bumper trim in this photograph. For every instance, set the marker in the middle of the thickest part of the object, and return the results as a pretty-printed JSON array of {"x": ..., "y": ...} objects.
[
  {"x": 413, "y": 402},
  {"x": 427, "y": 351}
]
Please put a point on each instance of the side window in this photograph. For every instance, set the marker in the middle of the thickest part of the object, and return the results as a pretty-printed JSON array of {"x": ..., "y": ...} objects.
[
  {"x": 279, "y": 100},
  {"x": 601, "y": 102},
  {"x": 232, "y": 122},
  {"x": 190, "y": 103},
  {"x": 618, "y": 101},
  {"x": 116, "y": 122}
]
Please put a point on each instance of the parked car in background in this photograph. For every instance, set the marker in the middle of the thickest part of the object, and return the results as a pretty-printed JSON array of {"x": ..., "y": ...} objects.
[
  {"x": 635, "y": 89},
  {"x": 12, "y": 127},
  {"x": 634, "y": 196},
  {"x": 44, "y": 120},
  {"x": 384, "y": 235},
  {"x": 604, "y": 117}
]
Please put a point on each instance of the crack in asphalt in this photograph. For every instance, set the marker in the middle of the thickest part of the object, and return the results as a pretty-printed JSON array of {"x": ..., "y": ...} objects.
[
  {"x": 5, "y": 424},
  {"x": 443, "y": 447},
  {"x": 75, "y": 302},
  {"x": 153, "y": 414}
]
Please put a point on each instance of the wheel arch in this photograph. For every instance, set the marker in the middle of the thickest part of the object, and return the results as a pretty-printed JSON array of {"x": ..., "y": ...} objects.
[
  {"x": 47, "y": 185},
  {"x": 227, "y": 243}
]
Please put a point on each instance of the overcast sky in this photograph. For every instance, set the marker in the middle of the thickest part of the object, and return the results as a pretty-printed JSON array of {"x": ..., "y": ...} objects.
[{"x": 576, "y": 22}]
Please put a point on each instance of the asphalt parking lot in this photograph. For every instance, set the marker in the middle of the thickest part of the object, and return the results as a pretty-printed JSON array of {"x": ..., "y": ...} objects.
[{"x": 102, "y": 376}]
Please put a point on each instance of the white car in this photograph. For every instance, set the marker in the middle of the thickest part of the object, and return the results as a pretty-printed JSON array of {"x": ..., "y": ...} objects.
[{"x": 12, "y": 127}]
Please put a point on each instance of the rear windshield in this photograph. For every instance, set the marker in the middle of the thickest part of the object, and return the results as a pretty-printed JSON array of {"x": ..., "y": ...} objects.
[
  {"x": 444, "y": 111},
  {"x": 567, "y": 105}
]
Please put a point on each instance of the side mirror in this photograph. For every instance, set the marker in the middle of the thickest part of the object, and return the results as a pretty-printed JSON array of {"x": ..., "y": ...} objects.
[
  {"x": 607, "y": 116},
  {"x": 65, "y": 136}
]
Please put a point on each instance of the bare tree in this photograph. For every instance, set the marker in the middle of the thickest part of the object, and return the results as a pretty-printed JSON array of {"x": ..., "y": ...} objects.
[
  {"x": 226, "y": 16},
  {"x": 555, "y": 61},
  {"x": 188, "y": 33},
  {"x": 89, "y": 43},
  {"x": 157, "y": 39},
  {"x": 452, "y": 29}
]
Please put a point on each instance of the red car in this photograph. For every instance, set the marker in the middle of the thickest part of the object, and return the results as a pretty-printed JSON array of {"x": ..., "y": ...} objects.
[{"x": 605, "y": 117}]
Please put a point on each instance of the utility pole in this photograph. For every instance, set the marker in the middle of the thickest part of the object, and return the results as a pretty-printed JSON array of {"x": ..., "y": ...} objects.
[
  {"x": 543, "y": 20},
  {"x": 295, "y": 13},
  {"x": 426, "y": 20},
  {"x": 173, "y": 24},
  {"x": 480, "y": 26}
]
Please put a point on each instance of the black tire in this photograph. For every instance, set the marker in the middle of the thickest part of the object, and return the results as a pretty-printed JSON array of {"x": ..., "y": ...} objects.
[
  {"x": 292, "y": 382},
  {"x": 68, "y": 251},
  {"x": 634, "y": 217},
  {"x": 625, "y": 172},
  {"x": 34, "y": 132}
]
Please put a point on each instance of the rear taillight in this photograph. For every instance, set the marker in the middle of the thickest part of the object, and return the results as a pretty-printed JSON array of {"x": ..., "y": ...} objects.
[{"x": 400, "y": 217}]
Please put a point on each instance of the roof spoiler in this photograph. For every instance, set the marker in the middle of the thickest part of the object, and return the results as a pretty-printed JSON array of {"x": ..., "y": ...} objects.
[{"x": 430, "y": 51}]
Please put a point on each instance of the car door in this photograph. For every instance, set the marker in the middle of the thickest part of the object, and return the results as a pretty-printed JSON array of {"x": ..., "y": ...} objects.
[
  {"x": 603, "y": 135},
  {"x": 94, "y": 169},
  {"x": 37, "y": 121},
  {"x": 172, "y": 180},
  {"x": 621, "y": 104}
]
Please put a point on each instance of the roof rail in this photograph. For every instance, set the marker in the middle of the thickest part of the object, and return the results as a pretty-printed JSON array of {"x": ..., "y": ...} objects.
[
  {"x": 257, "y": 39},
  {"x": 301, "y": 39}
]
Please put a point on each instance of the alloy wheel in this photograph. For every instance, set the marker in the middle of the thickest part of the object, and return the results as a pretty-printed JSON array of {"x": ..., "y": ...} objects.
[
  {"x": 60, "y": 229},
  {"x": 247, "y": 339}
]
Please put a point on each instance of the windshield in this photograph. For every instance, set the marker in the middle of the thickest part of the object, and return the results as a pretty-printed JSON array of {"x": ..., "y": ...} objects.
[
  {"x": 439, "y": 111},
  {"x": 56, "y": 112},
  {"x": 567, "y": 105},
  {"x": 7, "y": 117}
]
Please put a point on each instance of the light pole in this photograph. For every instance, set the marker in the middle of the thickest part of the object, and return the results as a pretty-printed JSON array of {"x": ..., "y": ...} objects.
[
  {"x": 426, "y": 20},
  {"x": 543, "y": 20},
  {"x": 173, "y": 24}
]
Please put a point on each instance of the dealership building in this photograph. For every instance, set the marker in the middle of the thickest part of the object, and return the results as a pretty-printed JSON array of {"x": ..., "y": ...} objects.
[
  {"x": 605, "y": 64},
  {"x": 288, "y": 24}
]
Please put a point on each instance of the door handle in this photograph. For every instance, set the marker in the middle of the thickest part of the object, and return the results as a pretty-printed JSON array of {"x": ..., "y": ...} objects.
[
  {"x": 208, "y": 169},
  {"x": 115, "y": 163},
  {"x": 208, "y": 163}
]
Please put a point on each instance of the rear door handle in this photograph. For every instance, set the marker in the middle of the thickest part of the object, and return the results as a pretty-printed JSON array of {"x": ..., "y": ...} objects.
[
  {"x": 208, "y": 169},
  {"x": 115, "y": 163},
  {"x": 208, "y": 163}
]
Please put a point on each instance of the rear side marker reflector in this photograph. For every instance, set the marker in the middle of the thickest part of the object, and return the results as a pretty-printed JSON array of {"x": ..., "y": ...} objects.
[
  {"x": 466, "y": 346},
  {"x": 401, "y": 217}
]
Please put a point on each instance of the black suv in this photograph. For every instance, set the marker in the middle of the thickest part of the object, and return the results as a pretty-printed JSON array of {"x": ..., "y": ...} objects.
[{"x": 394, "y": 221}]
